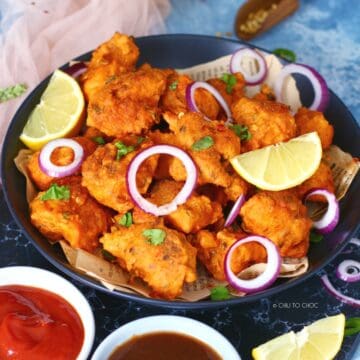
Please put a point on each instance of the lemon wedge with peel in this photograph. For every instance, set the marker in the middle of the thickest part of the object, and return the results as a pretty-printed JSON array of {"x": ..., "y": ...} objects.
[
  {"x": 319, "y": 341},
  {"x": 59, "y": 113},
  {"x": 280, "y": 166}
]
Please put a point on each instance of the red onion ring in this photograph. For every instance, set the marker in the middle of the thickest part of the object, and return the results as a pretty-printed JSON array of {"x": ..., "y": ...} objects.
[
  {"x": 75, "y": 70},
  {"x": 234, "y": 212},
  {"x": 345, "y": 299},
  {"x": 330, "y": 219},
  {"x": 321, "y": 90},
  {"x": 190, "y": 98},
  {"x": 342, "y": 271},
  {"x": 57, "y": 171},
  {"x": 355, "y": 241},
  {"x": 265, "y": 279},
  {"x": 180, "y": 198},
  {"x": 236, "y": 65}
]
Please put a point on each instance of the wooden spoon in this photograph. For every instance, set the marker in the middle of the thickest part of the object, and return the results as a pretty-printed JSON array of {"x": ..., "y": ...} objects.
[{"x": 258, "y": 16}]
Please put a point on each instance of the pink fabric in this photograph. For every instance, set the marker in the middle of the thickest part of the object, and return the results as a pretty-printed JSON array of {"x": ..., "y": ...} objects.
[{"x": 46, "y": 34}]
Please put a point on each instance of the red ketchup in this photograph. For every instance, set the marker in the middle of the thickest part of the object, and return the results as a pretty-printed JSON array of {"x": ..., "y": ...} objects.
[{"x": 37, "y": 324}]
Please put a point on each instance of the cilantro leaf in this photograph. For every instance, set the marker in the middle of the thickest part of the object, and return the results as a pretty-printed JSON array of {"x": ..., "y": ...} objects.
[
  {"x": 315, "y": 237},
  {"x": 107, "y": 255},
  {"x": 230, "y": 81},
  {"x": 126, "y": 220},
  {"x": 219, "y": 293},
  {"x": 285, "y": 54},
  {"x": 241, "y": 131},
  {"x": 99, "y": 139},
  {"x": 174, "y": 85},
  {"x": 352, "y": 326},
  {"x": 56, "y": 192},
  {"x": 140, "y": 140},
  {"x": 122, "y": 149},
  {"x": 12, "y": 92},
  {"x": 110, "y": 79},
  {"x": 203, "y": 143},
  {"x": 155, "y": 236}
]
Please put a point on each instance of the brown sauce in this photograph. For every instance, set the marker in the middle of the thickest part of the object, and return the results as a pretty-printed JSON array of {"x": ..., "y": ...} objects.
[{"x": 164, "y": 346}]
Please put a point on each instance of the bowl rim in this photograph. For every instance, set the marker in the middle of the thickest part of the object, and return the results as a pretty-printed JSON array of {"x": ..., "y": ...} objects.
[
  {"x": 169, "y": 324},
  {"x": 37, "y": 278},
  {"x": 87, "y": 280}
]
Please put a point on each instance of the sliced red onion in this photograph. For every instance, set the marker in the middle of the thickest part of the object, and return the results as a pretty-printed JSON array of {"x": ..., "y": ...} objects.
[
  {"x": 321, "y": 90},
  {"x": 265, "y": 279},
  {"x": 236, "y": 65},
  {"x": 58, "y": 171},
  {"x": 191, "y": 103},
  {"x": 75, "y": 70},
  {"x": 343, "y": 271},
  {"x": 180, "y": 198},
  {"x": 355, "y": 241},
  {"x": 234, "y": 212},
  {"x": 330, "y": 219},
  {"x": 346, "y": 299}
]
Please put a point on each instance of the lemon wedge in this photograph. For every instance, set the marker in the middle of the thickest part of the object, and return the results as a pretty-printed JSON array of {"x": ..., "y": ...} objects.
[
  {"x": 280, "y": 166},
  {"x": 59, "y": 113},
  {"x": 319, "y": 341}
]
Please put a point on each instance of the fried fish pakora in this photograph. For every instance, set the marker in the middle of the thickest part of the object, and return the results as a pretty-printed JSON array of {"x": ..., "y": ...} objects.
[
  {"x": 129, "y": 104},
  {"x": 268, "y": 122},
  {"x": 164, "y": 267},
  {"x": 80, "y": 220},
  {"x": 282, "y": 218},
  {"x": 105, "y": 176}
]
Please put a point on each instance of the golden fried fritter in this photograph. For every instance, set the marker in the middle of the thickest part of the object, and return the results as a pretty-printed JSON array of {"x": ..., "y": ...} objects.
[
  {"x": 266, "y": 93},
  {"x": 105, "y": 177},
  {"x": 212, "y": 248},
  {"x": 309, "y": 120},
  {"x": 237, "y": 187},
  {"x": 80, "y": 220},
  {"x": 268, "y": 122},
  {"x": 198, "y": 211},
  {"x": 112, "y": 58},
  {"x": 164, "y": 267},
  {"x": 61, "y": 156},
  {"x": 282, "y": 218},
  {"x": 129, "y": 104}
]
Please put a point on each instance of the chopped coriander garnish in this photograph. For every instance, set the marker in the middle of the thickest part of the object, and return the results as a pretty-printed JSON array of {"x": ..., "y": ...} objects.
[
  {"x": 203, "y": 143},
  {"x": 154, "y": 236},
  {"x": 56, "y": 192},
  {"x": 110, "y": 79},
  {"x": 220, "y": 292},
  {"x": 174, "y": 85},
  {"x": 285, "y": 54},
  {"x": 315, "y": 237},
  {"x": 107, "y": 255},
  {"x": 352, "y": 326},
  {"x": 126, "y": 220},
  {"x": 99, "y": 139},
  {"x": 241, "y": 131},
  {"x": 12, "y": 92},
  {"x": 122, "y": 149},
  {"x": 230, "y": 81}
]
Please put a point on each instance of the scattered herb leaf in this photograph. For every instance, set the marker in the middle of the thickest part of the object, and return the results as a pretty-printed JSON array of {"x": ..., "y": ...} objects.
[
  {"x": 66, "y": 215},
  {"x": 56, "y": 192},
  {"x": 174, "y": 85},
  {"x": 126, "y": 220},
  {"x": 107, "y": 255},
  {"x": 285, "y": 54},
  {"x": 315, "y": 237},
  {"x": 12, "y": 92},
  {"x": 219, "y": 293},
  {"x": 230, "y": 81},
  {"x": 203, "y": 143},
  {"x": 140, "y": 140},
  {"x": 241, "y": 131},
  {"x": 110, "y": 79},
  {"x": 352, "y": 326},
  {"x": 99, "y": 139},
  {"x": 122, "y": 149},
  {"x": 155, "y": 236}
]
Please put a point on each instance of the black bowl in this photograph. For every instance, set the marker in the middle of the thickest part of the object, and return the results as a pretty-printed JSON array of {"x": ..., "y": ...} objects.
[{"x": 179, "y": 51}]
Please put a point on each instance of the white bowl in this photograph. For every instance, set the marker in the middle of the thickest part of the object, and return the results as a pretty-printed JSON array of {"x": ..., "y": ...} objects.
[
  {"x": 31, "y": 276},
  {"x": 167, "y": 323}
]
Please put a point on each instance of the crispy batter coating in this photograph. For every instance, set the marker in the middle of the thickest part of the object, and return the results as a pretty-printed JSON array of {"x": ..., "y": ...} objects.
[
  {"x": 197, "y": 213},
  {"x": 268, "y": 122},
  {"x": 79, "y": 220},
  {"x": 110, "y": 59},
  {"x": 61, "y": 156},
  {"x": 212, "y": 248},
  {"x": 266, "y": 93},
  {"x": 105, "y": 177},
  {"x": 309, "y": 120},
  {"x": 129, "y": 104},
  {"x": 281, "y": 217},
  {"x": 164, "y": 267},
  {"x": 237, "y": 187}
]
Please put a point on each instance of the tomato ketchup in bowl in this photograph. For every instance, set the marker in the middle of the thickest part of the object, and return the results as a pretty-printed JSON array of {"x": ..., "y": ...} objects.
[{"x": 38, "y": 323}]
